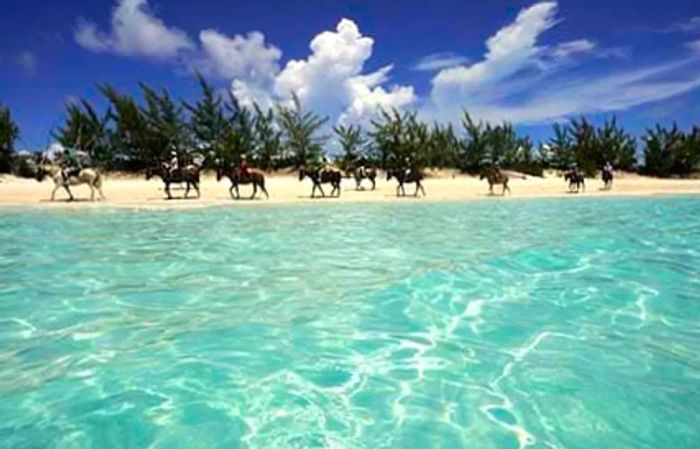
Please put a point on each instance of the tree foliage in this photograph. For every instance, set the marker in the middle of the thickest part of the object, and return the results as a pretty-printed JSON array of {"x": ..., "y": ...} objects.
[
  {"x": 9, "y": 132},
  {"x": 134, "y": 132}
]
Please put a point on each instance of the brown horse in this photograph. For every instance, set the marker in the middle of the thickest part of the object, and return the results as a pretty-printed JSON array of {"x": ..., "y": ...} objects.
[
  {"x": 495, "y": 177},
  {"x": 318, "y": 177},
  {"x": 188, "y": 176},
  {"x": 87, "y": 176},
  {"x": 368, "y": 173},
  {"x": 237, "y": 177},
  {"x": 406, "y": 177},
  {"x": 608, "y": 178},
  {"x": 577, "y": 181}
]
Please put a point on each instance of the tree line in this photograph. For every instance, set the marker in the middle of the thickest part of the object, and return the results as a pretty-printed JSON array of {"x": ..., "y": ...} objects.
[{"x": 131, "y": 135}]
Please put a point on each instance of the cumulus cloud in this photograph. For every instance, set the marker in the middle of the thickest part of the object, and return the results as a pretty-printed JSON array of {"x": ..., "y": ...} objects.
[
  {"x": 438, "y": 61},
  {"x": 135, "y": 32},
  {"x": 517, "y": 79},
  {"x": 331, "y": 79}
]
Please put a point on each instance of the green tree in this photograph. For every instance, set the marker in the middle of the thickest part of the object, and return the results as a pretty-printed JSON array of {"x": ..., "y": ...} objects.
[
  {"x": 9, "y": 132},
  {"x": 387, "y": 136},
  {"x": 130, "y": 136},
  {"x": 562, "y": 148},
  {"x": 300, "y": 133},
  {"x": 352, "y": 142},
  {"x": 207, "y": 121},
  {"x": 616, "y": 146},
  {"x": 87, "y": 131},
  {"x": 267, "y": 137}
]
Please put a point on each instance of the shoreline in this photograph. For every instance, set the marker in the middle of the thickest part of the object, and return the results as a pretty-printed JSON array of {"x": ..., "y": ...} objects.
[{"x": 136, "y": 193}]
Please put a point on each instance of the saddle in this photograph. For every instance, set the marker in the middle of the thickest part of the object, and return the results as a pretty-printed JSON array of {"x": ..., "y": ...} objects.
[{"x": 72, "y": 172}]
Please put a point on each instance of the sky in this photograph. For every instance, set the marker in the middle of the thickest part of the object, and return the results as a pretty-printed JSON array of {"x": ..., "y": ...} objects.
[{"x": 531, "y": 63}]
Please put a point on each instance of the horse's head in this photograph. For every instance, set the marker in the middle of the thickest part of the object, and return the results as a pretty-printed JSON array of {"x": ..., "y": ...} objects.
[
  {"x": 219, "y": 172},
  {"x": 482, "y": 176},
  {"x": 389, "y": 174},
  {"x": 302, "y": 173},
  {"x": 150, "y": 172}
]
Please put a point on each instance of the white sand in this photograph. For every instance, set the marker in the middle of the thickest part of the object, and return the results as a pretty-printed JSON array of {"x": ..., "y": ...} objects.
[{"x": 130, "y": 191}]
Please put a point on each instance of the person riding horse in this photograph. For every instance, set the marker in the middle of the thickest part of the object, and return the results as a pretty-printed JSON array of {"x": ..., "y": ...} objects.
[
  {"x": 174, "y": 164},
  {"x": 243, "y": 167},
  {"x": 70, "y": 164}
]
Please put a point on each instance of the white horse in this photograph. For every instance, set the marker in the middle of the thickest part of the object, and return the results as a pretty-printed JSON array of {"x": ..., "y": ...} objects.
[{"x": 86, "y": 176}]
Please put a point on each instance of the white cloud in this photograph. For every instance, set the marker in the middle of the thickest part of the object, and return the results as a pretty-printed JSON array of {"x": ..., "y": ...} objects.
[
  {"x": 510, "y": 50},
  {"x": 687, "y": 26},
  {"x": 135, "y": 32},
  {"x": 567, "y": 49},
  {"x": 695, "y": 46},
  {"x": 520, "y": 81},
  {"x": 438, "y": 61},
  {"x": 330, "y": 80}
]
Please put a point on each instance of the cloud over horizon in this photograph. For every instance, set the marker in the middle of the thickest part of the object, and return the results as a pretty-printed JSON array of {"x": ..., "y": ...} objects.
[{"x": 518, "y": 78}]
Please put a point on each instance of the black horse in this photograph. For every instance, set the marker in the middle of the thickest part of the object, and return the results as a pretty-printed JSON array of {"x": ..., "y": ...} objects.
[
  {"x": 369, "y": 174},
  {"x": 608, "y": 179},
  {"x": 188, "y": 176},
  {"x": 406, "y": 177},
  {"x": 576, "y": 180},
  {"x": 237, "y": 177},
  {"x": 318, "y": 177}
]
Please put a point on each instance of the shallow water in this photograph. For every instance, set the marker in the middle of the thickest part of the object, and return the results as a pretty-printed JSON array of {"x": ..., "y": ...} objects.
[{"x": 543, "y": 323}]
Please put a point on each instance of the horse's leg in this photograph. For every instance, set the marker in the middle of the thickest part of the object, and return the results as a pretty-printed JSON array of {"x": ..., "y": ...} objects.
[
  {"x": 70, "y": 194},
  {"x": 53, "y": 194},
  {"x": 422, "y": 189},
  {"x": 238, "y": 192},
  {"x": 92, "y": 192},
  {"x": 374, "y": 183},
  {"x": 320, "y": 187},
  {"x": 583, "y": 185},
  {"x": 506, "y": 187},
  {"x": 255, "y": 190},
  {"x": 196, "y": 187},
  {"x": 313, "y": 191},
  {"x": 415, "y": 194},
  {"x": 167, "y": 191},
  {"x": 230, "y": 191},
  {"x": 187, "y": 189}
]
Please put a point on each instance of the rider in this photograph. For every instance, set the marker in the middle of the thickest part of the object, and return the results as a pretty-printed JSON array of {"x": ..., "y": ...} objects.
[
  {"x": 608, "y": 168},
  {"x": 361, "y": 166},
  {"x": 326, "y": 164},
  {"x": 243, "y": 166},
  {"x": 174, "y": 165},
  {"x": 408, "y": 165},
  {"x": 70, "y": 164}
]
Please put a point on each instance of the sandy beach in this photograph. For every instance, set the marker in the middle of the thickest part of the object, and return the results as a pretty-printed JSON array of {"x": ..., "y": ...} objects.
[{"x": 132, "y": 191}]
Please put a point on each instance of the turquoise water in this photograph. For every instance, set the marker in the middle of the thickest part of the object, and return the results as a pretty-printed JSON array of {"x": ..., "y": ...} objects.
[{"x": 546, "y": 324}]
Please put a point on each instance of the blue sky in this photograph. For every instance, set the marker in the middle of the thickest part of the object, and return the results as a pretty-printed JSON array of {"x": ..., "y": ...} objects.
[{"x": 528, "y": 62}]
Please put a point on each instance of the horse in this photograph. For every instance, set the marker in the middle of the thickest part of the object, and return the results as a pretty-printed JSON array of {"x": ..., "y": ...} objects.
[
  {"x": 188, "y": 176},
  {"x": 406, "y": 177},
  {"x": 495, "y": 177},
  {"x": 608, "y": 179},
  {"x": 318, "y": 177},
  {"x": 88, "y": 176},
  {"x": 368, "y": 173},
  {"x": 576, "y": 181},
  {"x": 237, "y": 177}
]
